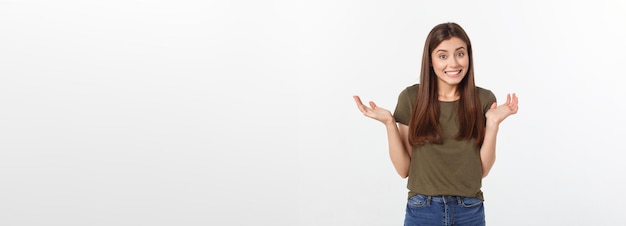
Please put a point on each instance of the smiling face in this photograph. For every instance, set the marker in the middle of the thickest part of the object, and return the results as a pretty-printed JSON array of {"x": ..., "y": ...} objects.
[{"x": 450, "y": 62}]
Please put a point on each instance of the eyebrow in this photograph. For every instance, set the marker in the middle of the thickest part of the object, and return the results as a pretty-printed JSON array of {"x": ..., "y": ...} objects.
[{"x": 443, "y": 50}]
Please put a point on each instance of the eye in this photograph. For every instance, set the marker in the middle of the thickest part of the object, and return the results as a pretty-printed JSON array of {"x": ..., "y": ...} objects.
[
  {"x": 460, "y": 54},
  {"x": 443, "y": 57}
]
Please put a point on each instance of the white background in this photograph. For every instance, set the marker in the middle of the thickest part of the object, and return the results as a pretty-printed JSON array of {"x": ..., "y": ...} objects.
[{"x": 240, "y": 112}]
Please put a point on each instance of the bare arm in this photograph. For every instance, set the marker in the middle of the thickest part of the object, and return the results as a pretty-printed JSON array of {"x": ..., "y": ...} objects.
[
  {"x": 495, "y": 115},
  {"x": 398, "y": 151},
  {"x": 397, "y": 137},
  {"x": 488, "y": 150}
]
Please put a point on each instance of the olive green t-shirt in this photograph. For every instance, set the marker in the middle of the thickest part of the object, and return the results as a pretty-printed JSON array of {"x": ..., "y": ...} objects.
[{"x": 451, "y": 168}]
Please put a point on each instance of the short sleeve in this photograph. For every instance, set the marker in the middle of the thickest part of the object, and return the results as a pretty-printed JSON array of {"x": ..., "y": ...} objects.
[
  {"x": 404, "y": 107},
  {"x": 487, "y": 98}
]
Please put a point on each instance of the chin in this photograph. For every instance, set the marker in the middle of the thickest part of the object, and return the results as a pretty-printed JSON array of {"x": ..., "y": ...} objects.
[{"x": 454, "y": 81}]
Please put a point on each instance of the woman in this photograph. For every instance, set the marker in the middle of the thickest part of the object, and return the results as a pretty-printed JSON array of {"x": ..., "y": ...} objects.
[{"x": 445, "y": 137}]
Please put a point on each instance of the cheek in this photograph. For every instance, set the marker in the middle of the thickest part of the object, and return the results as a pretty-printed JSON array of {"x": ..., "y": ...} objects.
[
  {"x": 465, "y": 62},
  {"x": 438, "y": 65}
]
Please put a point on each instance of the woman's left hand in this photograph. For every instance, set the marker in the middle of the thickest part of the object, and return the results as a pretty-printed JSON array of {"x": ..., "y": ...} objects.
[{"x": 496, "y": 114}]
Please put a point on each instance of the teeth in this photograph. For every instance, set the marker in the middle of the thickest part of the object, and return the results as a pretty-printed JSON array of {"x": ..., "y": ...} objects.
[{"x": 452, "y": 72}]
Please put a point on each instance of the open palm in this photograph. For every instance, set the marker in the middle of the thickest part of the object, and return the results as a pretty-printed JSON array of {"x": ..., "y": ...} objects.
[
  {"x": 375, "y": 112},
  {"x": 497, "y": 114}
]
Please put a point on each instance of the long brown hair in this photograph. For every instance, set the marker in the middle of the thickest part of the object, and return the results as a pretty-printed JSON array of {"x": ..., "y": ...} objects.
[{"x": 424, "y": 126}]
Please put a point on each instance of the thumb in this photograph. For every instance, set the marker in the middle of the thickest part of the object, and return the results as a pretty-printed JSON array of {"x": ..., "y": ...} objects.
[{"x": 372, "y": 104}]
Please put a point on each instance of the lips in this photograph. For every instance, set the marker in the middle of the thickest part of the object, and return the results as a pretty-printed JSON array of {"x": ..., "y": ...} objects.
[{"x": 453, "y": 73}]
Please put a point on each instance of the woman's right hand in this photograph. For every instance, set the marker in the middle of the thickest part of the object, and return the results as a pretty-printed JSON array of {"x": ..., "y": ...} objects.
[{"x": 375, "y": 112}]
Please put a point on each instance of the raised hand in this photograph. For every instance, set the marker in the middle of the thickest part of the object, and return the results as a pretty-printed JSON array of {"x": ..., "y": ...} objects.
[
  {"x": 497, "y": 114},
  {"x": 375, "y": 112}
]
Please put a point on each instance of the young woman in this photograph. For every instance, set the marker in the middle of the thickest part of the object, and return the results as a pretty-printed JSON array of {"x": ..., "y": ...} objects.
[{"x": 445, "y": 137}]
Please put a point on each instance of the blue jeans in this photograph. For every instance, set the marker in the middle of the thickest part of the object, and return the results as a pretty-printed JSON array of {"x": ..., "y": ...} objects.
[{"x": 444, "y": 210}]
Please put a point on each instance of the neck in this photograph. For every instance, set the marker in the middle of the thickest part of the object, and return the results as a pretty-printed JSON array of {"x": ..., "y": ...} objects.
[{"x": 448, "y": 93}]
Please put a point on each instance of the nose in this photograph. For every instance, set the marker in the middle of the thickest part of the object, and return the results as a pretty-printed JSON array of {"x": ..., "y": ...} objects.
[{"x": 455, "y": 62}]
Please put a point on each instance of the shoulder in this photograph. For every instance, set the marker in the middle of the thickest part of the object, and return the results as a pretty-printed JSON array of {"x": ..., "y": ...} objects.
[
  {"x": 407, "y": 97},
  {"x": 413, "y": 87},
  {"x": 411, "y": 91},
  {"x": 486, "y": 98},
  {"x": 485, "y": 95}
]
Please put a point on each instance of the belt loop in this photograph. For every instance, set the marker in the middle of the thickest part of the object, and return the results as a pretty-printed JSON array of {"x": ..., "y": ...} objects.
[
  {"x": 459, "y": 200},
  {"x": 428, "y": 198}
]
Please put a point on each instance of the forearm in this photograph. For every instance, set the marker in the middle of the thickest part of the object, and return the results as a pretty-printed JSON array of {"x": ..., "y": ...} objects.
[
  {"x": 488, "y": 149},
  {"x": 495, "y": 115},
  {"x": 398, "y": 152}
]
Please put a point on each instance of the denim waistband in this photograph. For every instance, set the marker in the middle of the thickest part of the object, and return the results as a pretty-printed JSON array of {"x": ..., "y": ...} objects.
[{"x": 443, "y": 199}]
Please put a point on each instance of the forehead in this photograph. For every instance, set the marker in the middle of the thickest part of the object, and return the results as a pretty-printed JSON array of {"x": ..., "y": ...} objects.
[{"x": 451, "y": 44}]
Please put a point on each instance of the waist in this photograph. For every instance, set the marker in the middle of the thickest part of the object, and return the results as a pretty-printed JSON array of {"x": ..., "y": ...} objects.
[{"x": 443, "y": 198}]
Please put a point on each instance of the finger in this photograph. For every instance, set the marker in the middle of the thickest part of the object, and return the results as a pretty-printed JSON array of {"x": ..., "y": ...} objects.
[
  {"x": 372, "y": 104},
  {"x": 360, "y": 105},
  {"x": 494, "y": 105},
  {"x": 357, "y": 99},
  {"x": 514, "y": 100},
  {"x": 508, "y": 99},
  {"x": 514, "y": 104}
]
